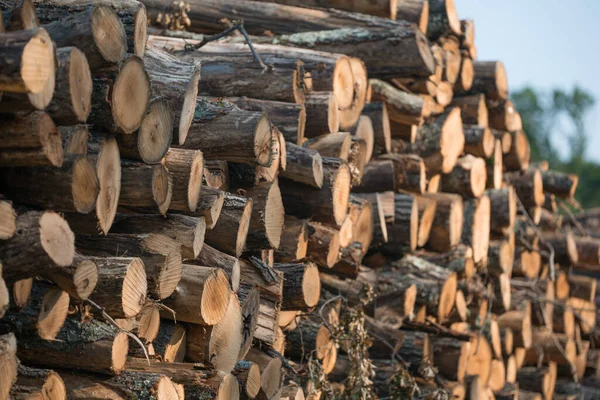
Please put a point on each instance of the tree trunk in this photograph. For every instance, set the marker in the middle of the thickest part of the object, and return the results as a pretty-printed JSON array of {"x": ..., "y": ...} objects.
[
  {"x": 248, "y": 375},
  {"x": 161, "y": 256},
  {"x": 38, "y": 383},
  {"x": 145, "y": 187},
  {"x": 459, "y": 260},
  {"x": 294, "y": 240},
  {"x": 468, "y": 177},
  {"x": 74, "y": 139},
  {"x": 378, "y": 114},
  {"x": 79, "y": 279},
  {"x": 565, "y": 247},
  {"x": 380, "y": 175},
  {"x": 314, "y": 336},
  {"x": 214, "y": 258},
  {"x": 42, "y": 238},
  {"x": 30, "y": 140},
  {"x": 560, "y": 184},
  {"x": 8, "y": 363},
  {"x": 217, "y": 126},
  {"x": 301, "y": 286},
  {"x": 303, "y": 166},
  {"x": 230, "y": 232},
  {"x": 402, "y": 233},
  {"x": 72, "y": 187},
  {"x": 450, "y": 357},
  {"x": 479, "y": 141}
]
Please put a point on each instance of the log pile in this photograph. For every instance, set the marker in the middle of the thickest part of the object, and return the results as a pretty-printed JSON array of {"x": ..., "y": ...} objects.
[{"x": 345, "y": 209}]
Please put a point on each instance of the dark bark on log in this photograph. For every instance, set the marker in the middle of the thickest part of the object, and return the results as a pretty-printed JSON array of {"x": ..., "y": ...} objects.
[
  {"x": 490, "y": 79},
  {"x": 230, "y": 232},
  {"x": 30, "y": 140},
  {"x": 473, "y": 109},
  {"x": 409, "y": 171},
  {"x": 447, "y": 223},
  {"x": 403, "y": 107}
]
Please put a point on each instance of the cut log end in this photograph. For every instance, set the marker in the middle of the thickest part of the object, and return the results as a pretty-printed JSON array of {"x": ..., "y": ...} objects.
[
  {"x": 342, "y": 182},
  {"x": 274, "y": 215},
  {"x": 252, "y": 385},
  {"x": 311, "y": 285},
  {"x": 155, "y": 133},
  {"x": 130, "y": 95},
  {"x": 85, "y": 278},
  {"x": 149, "y": 323},
  {"x": 120, "y": 348},
  {"x": 135, "y": 286},
  {"x": 80, "y": 84},
  {"x": 53, "y": 313},
  {"x": 54, "y": 387},
  {"x": 162, "y": 188},
  {"x": 109, "y": 176},
  {"x": 8, "y": 218},
  {"x": 452, "y": 140},
  {"x": 170, "y": 275},
  {"x": 57, "y": 239},
  {"x": 37, "y": 63},
  {"x": 215, "y": 297},
  {"x": 229, "y": 388},
  {"x": 140, "y": 31},
  {"x": 263, "y": 138},
  {"x": 343, "y": 83},
  {"x": 226, "y": 337},
  {"x": 447, "y": 297},
  {"x": 109, "y": 33},
  {"x": 189, "y": 106},
  {"x": 480, "y": 359},
  {"x": 165, "y": 389},
  {"x": 84, "y": 185},
  {"x": 271, "y": 377}
]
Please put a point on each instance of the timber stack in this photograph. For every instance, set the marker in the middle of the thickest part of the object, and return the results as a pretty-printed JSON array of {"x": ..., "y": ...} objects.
[{"x": 344, "y": 209}]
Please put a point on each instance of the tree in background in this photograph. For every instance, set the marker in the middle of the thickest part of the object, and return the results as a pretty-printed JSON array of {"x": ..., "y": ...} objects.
[{"x": 561, "y": 114}]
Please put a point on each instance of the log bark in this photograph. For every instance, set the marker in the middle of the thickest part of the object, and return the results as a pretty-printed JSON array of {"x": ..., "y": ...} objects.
[
  {"x": 270, "y": 371},
  {"x": 403, "y": 107},
  {"x": 27, "y": 61},
  {"x": 303, "y": 166},
  {"x": 539, "y": 380},
  {"x": 202, "y": 296},
  {"x": 565, "y": 247},
  {"x": 186, "y": 230},
  {"x": 410, "y": 54},
  {"x": 161, "y": 256},
  {"x": 479, "y": 141},
  {"x": 230, "y": 231},
  {"x": 316, "y": 336},
  {"x": 560, "y": 184},
  {"x": 42, "y": 238},
  {"x": 459, "y": 259},
  {"x": 447, "y": 223},
  {"x": 217, "y": 125},
  {"x": 72, "y": 187},
  {"x": 409, "y": 171},
  {"x": 322, "y": 114},
  {"x": 145, "y": 187},
  {"x": 301, "y": 286},
  {"x": 436, "y": 286},
  {"x": 503, "y": 207},
  {"x": 504, "y": 116},
  {"x": 115, "y": 107},
  {"x": 289, "y": 118},
  {"x": 248, "y": 375},
  {"x": 379, "y": 176},
  {"x": 443, "y": 19},
  {"x": 30, "y": 140},
  {"x": 528, "y": 187},
  {"x": 76, "y": 344},
  {"x": 490, "y": 79},
  {"x": 38, "y": 383},
  {"x": 403, "y": 231},
  {"x": 473, "y": 109},
  {"x": 176, "y": 82},
  {"x": 440, "y": 142},
  {"x": 294, "y": 240},
  {"x": 328, "y": 204},
  {"x": 20, "y": 15},
  {"x": 467, "y": 178},
  {"x": 451, "y": 357},
  {"x": 323, "y": 244}
]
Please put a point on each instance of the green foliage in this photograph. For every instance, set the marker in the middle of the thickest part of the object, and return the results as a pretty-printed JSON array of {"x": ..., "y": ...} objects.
[{"x": 559, "y": 113}]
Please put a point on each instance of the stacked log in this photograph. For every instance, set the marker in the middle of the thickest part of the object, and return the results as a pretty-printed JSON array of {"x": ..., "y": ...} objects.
[{"x": 345, "y": 207}]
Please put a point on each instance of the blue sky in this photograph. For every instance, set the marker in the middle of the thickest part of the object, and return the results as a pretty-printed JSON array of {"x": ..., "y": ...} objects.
[{"x": 544, "y": 43}]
